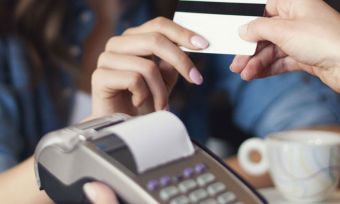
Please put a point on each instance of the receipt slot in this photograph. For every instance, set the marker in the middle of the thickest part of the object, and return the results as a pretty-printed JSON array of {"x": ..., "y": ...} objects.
[{"x": 148, "y": 159}]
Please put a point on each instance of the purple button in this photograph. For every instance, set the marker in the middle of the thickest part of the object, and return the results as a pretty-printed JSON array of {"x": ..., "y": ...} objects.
[
  {"x": 200, "y": 168},
  {"x": 152, "y": 185},
  {"x": 165, "y": 180},
  {"x": 188, "y": 172}
]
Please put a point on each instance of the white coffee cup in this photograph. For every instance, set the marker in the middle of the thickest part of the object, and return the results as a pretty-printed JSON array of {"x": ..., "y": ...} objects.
[{"x": 304, "y": 165}]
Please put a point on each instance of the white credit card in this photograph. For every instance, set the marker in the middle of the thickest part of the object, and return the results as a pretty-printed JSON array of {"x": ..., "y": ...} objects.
[{"x": 218, "y": 21}]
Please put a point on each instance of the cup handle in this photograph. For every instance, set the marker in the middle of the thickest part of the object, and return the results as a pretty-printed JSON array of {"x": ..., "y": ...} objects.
[{"x": 257, "y": 145}]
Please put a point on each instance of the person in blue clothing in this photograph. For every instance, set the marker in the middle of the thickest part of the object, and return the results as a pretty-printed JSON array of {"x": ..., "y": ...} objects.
[
  {"x": 40, "y": 68},
  {"x": 46, "y": 62}
]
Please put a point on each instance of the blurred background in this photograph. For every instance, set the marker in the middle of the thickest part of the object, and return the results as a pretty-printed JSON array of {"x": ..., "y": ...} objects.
[{"x": 49, "y": 49}]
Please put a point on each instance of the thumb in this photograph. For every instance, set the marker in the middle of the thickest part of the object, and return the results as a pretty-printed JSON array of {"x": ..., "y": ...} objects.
[
  {"x": 99, "y": 193},
  {"x": 274, "y": 30}
]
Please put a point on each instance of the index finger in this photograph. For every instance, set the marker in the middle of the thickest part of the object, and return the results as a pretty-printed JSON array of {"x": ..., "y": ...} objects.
[{"x": 172, "y": 31}]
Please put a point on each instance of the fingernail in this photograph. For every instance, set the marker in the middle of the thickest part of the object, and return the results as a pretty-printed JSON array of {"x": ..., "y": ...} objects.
[
  {"x": 244, "y": 76},
  {"x": 90, "y": 192},
  {"x": 196, "y": 76},
  {"x": 242, "y": 30},
  {"x": 199, "y": 42}
]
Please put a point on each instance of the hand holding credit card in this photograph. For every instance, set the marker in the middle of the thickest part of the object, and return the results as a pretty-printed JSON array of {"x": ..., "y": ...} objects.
[{"x": 218, "y": 21}]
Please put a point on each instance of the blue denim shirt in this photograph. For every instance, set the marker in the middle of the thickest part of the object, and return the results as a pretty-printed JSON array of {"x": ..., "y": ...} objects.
[
  {"x": 26, "y": 112},
  {"x": 260, "y": 107},
  {"x": 289, "y": 101}
]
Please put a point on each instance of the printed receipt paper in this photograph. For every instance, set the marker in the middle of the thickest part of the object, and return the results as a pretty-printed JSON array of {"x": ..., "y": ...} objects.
[
  {"x": 219, "y": 21},
  {"x": 155, "y": 139}
]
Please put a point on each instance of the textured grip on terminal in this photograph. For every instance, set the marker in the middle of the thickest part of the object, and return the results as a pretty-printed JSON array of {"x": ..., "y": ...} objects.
[{"x": 59, "y": 192}]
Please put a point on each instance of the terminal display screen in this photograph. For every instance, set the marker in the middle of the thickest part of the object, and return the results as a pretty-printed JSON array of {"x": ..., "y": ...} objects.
[{"x": 118, "y": 150}]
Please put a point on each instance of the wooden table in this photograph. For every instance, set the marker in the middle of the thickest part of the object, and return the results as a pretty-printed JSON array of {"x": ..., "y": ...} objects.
[{"x": 274, "y": 197}]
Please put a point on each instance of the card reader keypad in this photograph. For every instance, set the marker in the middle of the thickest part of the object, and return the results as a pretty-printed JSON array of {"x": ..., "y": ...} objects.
[
  {"x": 168, "y": 192},
  {"x": 194, "y": 185},
  {"x": 188, "y": 185},
  {"x": 204, "y": 179}
]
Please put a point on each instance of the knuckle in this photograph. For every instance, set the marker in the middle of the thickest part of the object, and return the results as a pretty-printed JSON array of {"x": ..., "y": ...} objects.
[
  {"x": 110, "y": 42},
  {"x": 150, "y": 68},
  {"x": 96, "y": 77},
  {"x": 128, "y": 31},
  {"x": 99, "y": 83},
  {"x": 101, "y": 59},
  {"x": 136, "y": 80},
  {"x": 159, "y": 22},
  {"x": 157, "y": 39}
]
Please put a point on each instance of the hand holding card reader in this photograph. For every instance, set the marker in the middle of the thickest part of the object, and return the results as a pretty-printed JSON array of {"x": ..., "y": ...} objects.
[{"x": 148, "y": 159}]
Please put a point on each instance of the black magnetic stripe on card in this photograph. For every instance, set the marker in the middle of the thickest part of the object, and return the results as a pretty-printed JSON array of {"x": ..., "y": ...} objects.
[{"x": 222, "y": 8}]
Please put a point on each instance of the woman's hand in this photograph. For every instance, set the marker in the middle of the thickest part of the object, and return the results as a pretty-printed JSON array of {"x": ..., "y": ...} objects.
[
  {"x": 99, "y": 193},
  {"x": 136, "y": 74},
  {"x": 138, "y": 70},
  {"x": 299, "y": 35}
]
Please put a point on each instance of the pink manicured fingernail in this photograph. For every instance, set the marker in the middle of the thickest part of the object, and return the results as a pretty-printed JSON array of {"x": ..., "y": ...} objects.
[
  {"x": 90, "y": 192},
  {"x": 199, "y": 42},
  {"x": 196, "y": 76}
]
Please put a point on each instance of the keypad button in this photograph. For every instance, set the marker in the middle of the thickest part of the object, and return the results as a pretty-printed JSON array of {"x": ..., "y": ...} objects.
[
  {"x": 198, "y": 195},
  {"x": 165, "y": 181},
  {"x": 180, "y": 200},
  {"x": 226, "y": 198},
  {"x": 200, "y": 168},
  {"x": 209, "y": 201},
  {"x": 152, "y": 185},
  {"x": 216, "y": 188},
  {"x": 188, "y": 172},
  {"x": 187, "y": 185},
  {"x": 168, "y": 192},
  {"x": 205, "y": 179}
]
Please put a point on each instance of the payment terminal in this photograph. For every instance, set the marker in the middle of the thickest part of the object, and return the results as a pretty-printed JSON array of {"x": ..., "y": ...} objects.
[{"x": 148, "y": 159}]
